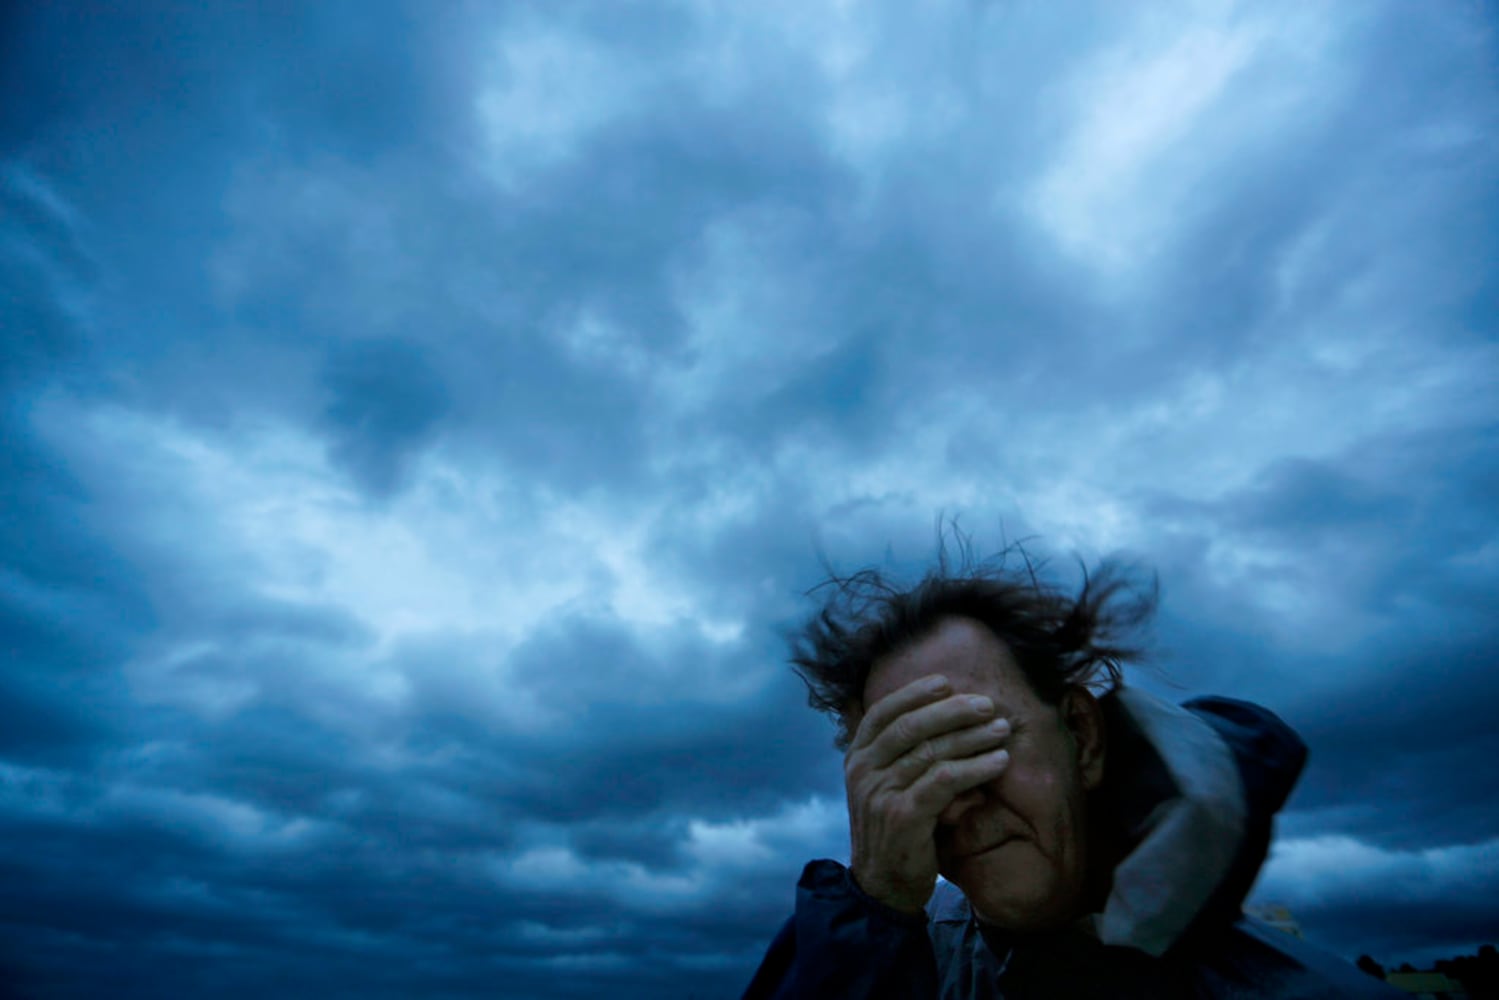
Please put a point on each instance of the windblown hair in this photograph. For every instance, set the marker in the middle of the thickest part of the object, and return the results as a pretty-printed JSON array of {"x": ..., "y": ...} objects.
[{"x": 1058, "y": 640}]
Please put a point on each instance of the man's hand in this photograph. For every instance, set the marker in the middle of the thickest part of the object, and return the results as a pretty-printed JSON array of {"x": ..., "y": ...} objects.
[{"x": 915, "y": 751}]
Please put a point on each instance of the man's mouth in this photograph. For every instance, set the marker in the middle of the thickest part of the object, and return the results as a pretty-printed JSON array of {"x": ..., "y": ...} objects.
[{"x": 994, "y": 846}]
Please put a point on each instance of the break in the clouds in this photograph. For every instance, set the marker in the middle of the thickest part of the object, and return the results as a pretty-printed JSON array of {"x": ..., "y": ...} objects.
[{"x": 421, "y": 423}]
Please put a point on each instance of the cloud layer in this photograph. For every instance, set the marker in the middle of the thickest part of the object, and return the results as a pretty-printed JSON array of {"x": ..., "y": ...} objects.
[{"x": 419, "y": 429}]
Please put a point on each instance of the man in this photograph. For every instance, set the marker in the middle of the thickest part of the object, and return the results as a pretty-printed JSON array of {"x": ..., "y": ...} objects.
[{"x": 1090, "y": 845}]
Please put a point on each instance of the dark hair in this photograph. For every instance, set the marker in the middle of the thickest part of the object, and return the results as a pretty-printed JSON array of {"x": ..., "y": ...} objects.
[{"x": 1058, "y": 640}]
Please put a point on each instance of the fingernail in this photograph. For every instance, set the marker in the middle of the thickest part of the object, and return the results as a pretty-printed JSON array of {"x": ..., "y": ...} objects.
[
  {"x": 981, "y": 703},
  {"x": 937, "y": 685}
]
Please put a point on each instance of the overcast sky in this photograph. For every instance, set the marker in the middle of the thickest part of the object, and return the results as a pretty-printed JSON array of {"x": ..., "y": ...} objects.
[{"x": 419, "y": 425}]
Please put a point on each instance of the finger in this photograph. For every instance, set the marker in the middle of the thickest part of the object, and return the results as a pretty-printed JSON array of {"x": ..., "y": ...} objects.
[
  {"x": 957, "y": 745},
  {"x": 946, "y": 780},
  {"x": 915, "y": 727},
  {"x": 922, "y": 691}
]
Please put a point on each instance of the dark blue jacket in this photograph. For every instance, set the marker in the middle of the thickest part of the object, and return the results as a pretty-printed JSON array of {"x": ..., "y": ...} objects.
[{"x": 1189, "y": 796}]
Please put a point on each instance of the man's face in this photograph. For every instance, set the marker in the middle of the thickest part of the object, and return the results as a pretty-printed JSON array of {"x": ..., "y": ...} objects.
[{"x": 1016, "y": 846}]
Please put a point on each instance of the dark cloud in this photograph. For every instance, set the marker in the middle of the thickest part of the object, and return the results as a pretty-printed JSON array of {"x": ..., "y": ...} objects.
[
  {"x": 386, "y": 400},
  {"x": 1387, "y": 672},
  {"x": 67, "y": 598},
  {"x": 631, "y": 731}
]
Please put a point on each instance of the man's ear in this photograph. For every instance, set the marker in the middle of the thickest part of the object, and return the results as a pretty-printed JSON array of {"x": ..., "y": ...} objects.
[{"x": 1083, "y": 717}]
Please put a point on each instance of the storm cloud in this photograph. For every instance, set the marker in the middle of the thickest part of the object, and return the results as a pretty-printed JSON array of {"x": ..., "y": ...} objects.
[{"x": 420, "y": 425}]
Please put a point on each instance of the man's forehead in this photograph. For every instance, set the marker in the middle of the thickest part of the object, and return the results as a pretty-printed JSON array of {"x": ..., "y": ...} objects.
[{"x": 961, "y": 649}]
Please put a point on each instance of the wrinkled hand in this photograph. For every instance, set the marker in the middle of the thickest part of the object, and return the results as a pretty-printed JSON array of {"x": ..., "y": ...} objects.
[{"x": 915, "y": 751}]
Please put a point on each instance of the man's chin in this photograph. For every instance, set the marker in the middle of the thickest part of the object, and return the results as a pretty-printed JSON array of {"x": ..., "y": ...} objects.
[{"x": 1010, "y": 887}]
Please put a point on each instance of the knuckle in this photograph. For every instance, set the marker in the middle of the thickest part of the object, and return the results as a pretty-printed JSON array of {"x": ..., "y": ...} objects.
[
  {"x": 899, "y": 811},
  {"x": 930, "y": 799},
  {"x": 925, "y": 753}
]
